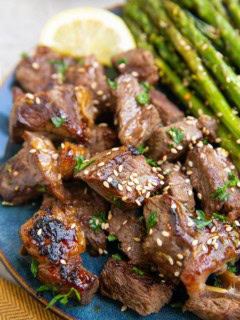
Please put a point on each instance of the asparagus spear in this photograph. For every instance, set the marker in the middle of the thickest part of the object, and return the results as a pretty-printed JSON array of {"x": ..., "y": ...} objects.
[
  {"x": 221, "y": 9},
  {"x": 212, "y": 58},
  {"x": 207, "y": 11},
  {"x": 233, "y": 7}
]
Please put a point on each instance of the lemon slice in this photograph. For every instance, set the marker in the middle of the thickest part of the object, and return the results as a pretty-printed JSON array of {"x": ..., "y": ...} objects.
[{"x": 83, "y": 31}]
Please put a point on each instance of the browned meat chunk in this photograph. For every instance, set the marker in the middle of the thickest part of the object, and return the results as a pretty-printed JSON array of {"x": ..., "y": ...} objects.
[
  {"x": 210, "y": 170},
  {"x": 138, "y": 62},
  {"x": 67, "y": 158},
  {"x": 178, "y": 185},
  {"x": 143, "y": 293},
  {"x": 172, "y": 142},
  {"x": 39, "y": 72},
  {"x": 31, "y": 171},
  {"x": 136, "y": 122},
  {"x": 130, "y": 232},
  {"x": 168, "y": 111},
  {"x": 208, "y": 126},
  {"x": 102, "y": 138},
  {"x": 56, "y": 112},
  {"x": 188, "y": 248},
  {"x": 17, "y": 93},
  {"x": 121, "y": 174}
]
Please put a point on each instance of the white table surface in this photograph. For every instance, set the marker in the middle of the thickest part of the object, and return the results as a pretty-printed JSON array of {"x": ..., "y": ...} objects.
[{"x": 20, "y": 25}]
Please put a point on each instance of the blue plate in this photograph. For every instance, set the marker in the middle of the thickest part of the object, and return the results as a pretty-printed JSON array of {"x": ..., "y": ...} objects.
[{"x": 11, "y": 219}]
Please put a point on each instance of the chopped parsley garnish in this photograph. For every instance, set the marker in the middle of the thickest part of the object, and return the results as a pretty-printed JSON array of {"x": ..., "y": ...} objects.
[
  {"x": 151, "y": 221},
  {"x": 146, "y": 85},
  {"x": 138, "y": 271},
  {"x": 81, "y": 164},
  {"x": 220, "y": 217},
  {"x": 58, "y": 122},
  {"x": 167, "y": 171},
  {"x": 221, "y": 192},
  {"x": 141, "y": 218},
  {"x": 24, "y": 55},
  {"x": 97, "y": 220},
  {"x": 122, "y": 60},
  {"x": 202, "y": 221},
  {"x": 205, "y": 142},
  {"x": 112, "y": 237},
  {"x": 116, "y": 256},
  {"x": 42, "y": 188},
  {"x": 176, "y": 135},
  {"x": 151, "y": 162},
  {"x": 61, "y": 69},
  {"x": 6, "y": 203},
  {"x": 112, "y": 84},
  {"x": 143, "y": 98},
  {"x": 63, "y": 298},
  {"x": 47, "y": 287},
  {"x": 231, "y": 267},
  {"x": 232, "y": 179},
  {"x": 34, "y": 267},
  {"x": 142, "y": 149},
  {"x": 116, "y": 200},
  {"x": 217, "y": 282},
  {"x": 7, "y": 168}
]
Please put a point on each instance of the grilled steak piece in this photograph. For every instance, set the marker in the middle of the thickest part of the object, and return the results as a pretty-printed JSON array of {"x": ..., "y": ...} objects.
[
  {"x": 56, "y": 112},
  {"x": 210, "y": 170},
  {"x": 102, "y": 138},
  {"x": 39, "y": 72},
  {"x": 172, "y": 141},
  {"x": 121, "y": 174},
  {"x": 130, "y": 232},
  {"x": 32, "y": 171},
  {"x": 168, "y": 111},
  {"x": 136, "y": 122},
  {"x": 184, "y": 247},
  {"x": 178, "y": 185},
  {"x": 144, "y": 293},
  {"x": 138, "y": 62},
  {"x": 17, "y": 93},
  {"x": 67, "y": 158},
  {"x": 208, "y": 126}
]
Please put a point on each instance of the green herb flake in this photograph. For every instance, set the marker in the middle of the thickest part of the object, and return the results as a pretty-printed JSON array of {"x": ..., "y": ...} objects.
[
  {"x": 176, "y": 135},
  {"x": 24, "y": 55},
  {"x": 112, "y": 84},
  {"x": 6, "y": 203},
  {"x": 116, "y": 200},
  {"x": 42, "y": 188},
  {"x": 146, "y": 85},
  {"x": 142, "y": 149},
  {"x": 34, "y": 267},
  {"x": 221, "y": 193},
  {"x": 151, "y": 162},
  {"x": 7, "y": 168},
  {"x": 205, "y": 142},
  {"x": 217, "y": 282},
  {"x": 63, "y": 298},
  {"x": 122, "y": 60},
  {"x": 152, "y": 220},
  {"x": 81, "y": 164},
  {"x": 231, "y": 267},
  {"x": 233, "y": 179},
  {"x": 58, "y": 122},
  {"x": 117, "y": 257},
  {"x": 138, "y": 271},
  {"x": 46, "y": 287},
  {"x": 176, "y": 305},
  {"x": 112, "y": 237},
  {"x": 220, "y": 217},
  {"x": 143, "y": 98},
  {"x": 202, "y": 221},
  {"x": 97, "y": 220},
  {"x": 61, "y": 69}
]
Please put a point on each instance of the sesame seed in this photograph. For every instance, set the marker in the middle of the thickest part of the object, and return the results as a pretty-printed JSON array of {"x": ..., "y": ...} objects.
[
  {"x": 170, "y": 259},
  {"x": 59, "y": 176},
  {"x": 190, "y": 163},
  {"x": 120, "y": 169},
  {"x": 124, "y": 198},
  {"x": 216, "y": 245},
  {"x": 73, "y": 225},
  {"x": 189, "y": 173},
  {"x": 173, "y": 205},
  {"x": 129, "y": 189},
  {"x": 139, "y": 187},
  {"x": 106, "y": 184},
  {"x": 39, "y": 232},
  {"x": 213, "y": 229},
  {"x": 128, "y": 249},
  {"x": 238, "y": 141},
  {"x": 151, "y": 231},
  {"x": 180, "y": 256},
  {"x": 165, "y": 234},
  {"x": 200, "y": 144},
  {"x": 38, "y": 101},
  {"x": 177, "y": 273},
  {"x": 173, "y": 150},
  {"x": 101, "y": 164},
  {"x": 228, "y": 228},
  {"x": 180, "y": 147},
  {"x": 109, "y": 215},
  {"x": 29, "y": 96},
  {"x": 199, "y": 196},
  {"x": 15, "y": 173},
  {"x": 63, "y": 261},
  {"x": 108, "y": 153},
  {"x": 138, "y": 202},
  {"x": 219, "y": 114},
  {"x": 195, "y": 242},
  {"x": 148, "y": 194},
  {"x": 120, "y": 187},
  {"x": 130, "y": 183},
  {"x": 237, "y": 223},
  {"x": 154, "y": 169},
  {"x": 100, "y": 251},
  {"x": 99, "y": 92},
  {"x": 218, "y": 140},
  {"x": 35, "y": 65},
  {"x": 115, "y": 173},
  {"x": 124, "y": 308},
  {"x": 205, "y": 249},
  {"x": 209, "y": 241},
  {"x": 179, "y": 263},
  {"x": 190, "y": 223},
  {"x": 115, "y": 149},
  {"x": 135, "y": 74},
  {"x": 86, "y": 172},
  {"x": 109, "y": 179},
  {"x": 33, "y": 151},
  {"x": 190, "y": 192}
]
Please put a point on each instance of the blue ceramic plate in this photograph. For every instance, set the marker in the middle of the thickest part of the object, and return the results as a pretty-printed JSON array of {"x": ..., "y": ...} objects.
[{"x": 11, "y": 219}]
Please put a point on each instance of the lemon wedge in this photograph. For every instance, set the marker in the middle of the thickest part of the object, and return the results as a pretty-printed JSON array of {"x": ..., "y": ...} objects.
[{"x": 83, "y": 31}]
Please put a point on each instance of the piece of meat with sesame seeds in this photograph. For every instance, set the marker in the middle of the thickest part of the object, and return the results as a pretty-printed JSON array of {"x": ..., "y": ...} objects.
[
  {"x": 178, "y": 185},
  {"x": 31, "y": 172},
  {"x": 168, "y": 111},
  {"x": 142, "y": 292},
  {"x": 55, "y": 112},
  {"x": 208, "y": 125},
  {"x": 17, "y": 93},
  {"x": 172, "y": 141},
  {"x": 209, "y": 170},
  {"x": 130, "y": 232},
  {"x": 138, "y": 62},
  {"x": 121, "y": 175},
  {"x": 136, "y": 122}
]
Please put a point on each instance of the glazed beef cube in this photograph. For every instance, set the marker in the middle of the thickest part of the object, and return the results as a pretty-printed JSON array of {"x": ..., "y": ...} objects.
[
  {"x": 38, "y": 73},
  {"x": 144, "y": 293},
  {"x": 208, "y": 126},
  {"x": 209, "y": 170},
  {"x": 168, "y": 111},
  {"x": 56, "y": 112},
  {"x": 172, "y": 141},
  {"x": 17, "y": 93},
  {"x": 32, "y": 171},
  {"x": 185, "y": 247},
  {"x": 138, "y": 62},
  {"x": 121, "y": 174},
  {"x": 71, "y": 275},
  {"x": 130, "y": 232},
  {"x": 178, "y": 185},
  {"x": 102, "y": 138},
  {"x": 136, "y": 122}
]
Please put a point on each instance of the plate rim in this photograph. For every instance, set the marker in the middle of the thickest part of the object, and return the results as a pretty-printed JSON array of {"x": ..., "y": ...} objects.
[{"x": 16, "y": 276}]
